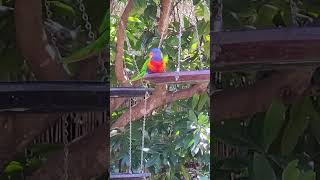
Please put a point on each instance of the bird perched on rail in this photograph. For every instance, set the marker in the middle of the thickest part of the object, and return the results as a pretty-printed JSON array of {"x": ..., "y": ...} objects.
[{"x": 156, "y": 63}]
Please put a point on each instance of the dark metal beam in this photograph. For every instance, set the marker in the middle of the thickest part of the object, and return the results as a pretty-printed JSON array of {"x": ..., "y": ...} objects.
[
  {"x": 265, "y": 35},
  {"x": 267, "y": 49},
  {"x": 60, "y": 96}
]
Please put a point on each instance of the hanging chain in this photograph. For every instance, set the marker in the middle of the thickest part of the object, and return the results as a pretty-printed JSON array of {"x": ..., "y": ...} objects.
[
  {"x": 49, "y": 17},
  {"x": 294, "y": 11},
  {"x": 130, "y": 136},
  {"x": 146, "y": 96},
  {"x": 85, "y": 17},
  {"x": 179, "y": 46},
  {"x": 64, "y": 118},
  {"x": 66, "y": 150},
  {"x": 48, "y": 11}
]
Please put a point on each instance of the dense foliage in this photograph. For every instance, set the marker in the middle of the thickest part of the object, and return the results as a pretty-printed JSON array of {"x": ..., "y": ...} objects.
[
  {"x": 177, "y": 136},
  {"x": 69, "y": 17},
  {"x": 282, "y": 143},
  {"x": 13, "y": 67}
]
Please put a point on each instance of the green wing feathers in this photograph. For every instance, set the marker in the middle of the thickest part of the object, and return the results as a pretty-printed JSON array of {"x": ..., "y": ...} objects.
[
  {"x": 165, "y": 59},
  {"x": 142, "y": 71}
]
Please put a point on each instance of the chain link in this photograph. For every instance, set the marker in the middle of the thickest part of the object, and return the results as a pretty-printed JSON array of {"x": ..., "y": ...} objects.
[
  {"x": 48, "y": 11},
  {"x": 49, "y": 17},
  {"x": 294, "y": 11},
  {"x": 146, "y": 96},
  {"x": 65, "y": 149},
  {"x": 179, "y": 46},
  {"x": 64, "y": 118},
  {"x": 130, "y": 136},
  {"x": 85, "y": 17}
]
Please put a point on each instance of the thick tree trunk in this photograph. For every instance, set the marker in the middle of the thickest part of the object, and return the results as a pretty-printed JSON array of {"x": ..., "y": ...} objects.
[{"x": 17, "y": 131}]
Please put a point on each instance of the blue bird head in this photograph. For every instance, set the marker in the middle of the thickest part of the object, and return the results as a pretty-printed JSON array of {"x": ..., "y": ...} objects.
[{"x": 156, "y": 54}]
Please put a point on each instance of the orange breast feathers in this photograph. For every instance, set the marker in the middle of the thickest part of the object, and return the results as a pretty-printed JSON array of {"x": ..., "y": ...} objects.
[{"x": 156, "y": 67}]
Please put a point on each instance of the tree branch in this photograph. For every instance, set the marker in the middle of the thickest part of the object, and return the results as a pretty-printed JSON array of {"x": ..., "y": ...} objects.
[
  {"x": 31, "y": 40},
  {"x": 159, "y": 98},
  {"x": 119, "y": 70},
  {"x": 242, "y": 102},
  {"x": 159, "y": 90},
  {"x": 87, "y": 158},
  {"x": 164, "y": 17},
  {"x": 17, "y": 131}
]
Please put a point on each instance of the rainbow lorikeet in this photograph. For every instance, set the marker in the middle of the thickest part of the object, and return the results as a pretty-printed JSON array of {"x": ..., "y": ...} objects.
[{"x": 156, "y": 63}]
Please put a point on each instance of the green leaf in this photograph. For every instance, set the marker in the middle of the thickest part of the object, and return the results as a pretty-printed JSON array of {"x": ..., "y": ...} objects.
[
  {"x": 273, "y": 122},
  {"x": 195, "y": 2},
  {"x": 184, "y": 172},
  {"x": 234, "y": 164},
  {"x": 203, "y": 99},
  {"x": 202, "y": 119},
  {"x": 154, "y": 160},
  {"x": 238, "y": 6},
  {"x": 309, "y": 175},
  {"x": 231, "y": 20},
  {"x": 315, "y": 124},
  {"x": 192, "y": 116},
  {"x": 104, "y": 25},
  {"x": 63, "y": 8},
  {"x": 138, "y": 7},
  {"x": 255, "y": 128},
  {"x": 203, "y": 28},
  {"x": 299, "y": 117},
  {"x": 232, "y": 133},
  {"x": 93, "y": 48},
  {"x": 266, "y": 14},
  {"x": 195, "y": 100},
  {"x": 291, "y": 172},
  {"x": 33, "y": 163},
  {"x": 262, "y": 169},
  {"x": 13, "y": 167}
]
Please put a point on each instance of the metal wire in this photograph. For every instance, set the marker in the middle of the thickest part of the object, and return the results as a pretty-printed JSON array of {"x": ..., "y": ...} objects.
[
  {"x": 294, "y": 11},
  {"x": 48, "y": 11},
  {"x": 130, "y": 136},
  {"x": 179, "y": 47},
  {"x": 49, "y": 17},
  {"x": 65, "y": 122},
  {"x": 146, "y": 96},
  {"x": 65, "y": 149}
]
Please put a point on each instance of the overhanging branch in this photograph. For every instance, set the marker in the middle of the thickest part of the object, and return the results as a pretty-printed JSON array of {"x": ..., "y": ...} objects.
[
  {"x": 159, "y": 98},
  {"x": 242, "y": 102}
]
